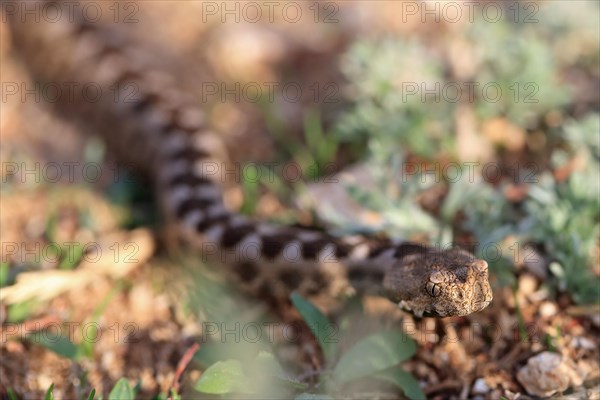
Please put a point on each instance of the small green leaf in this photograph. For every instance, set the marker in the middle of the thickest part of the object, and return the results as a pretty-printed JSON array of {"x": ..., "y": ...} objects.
[
  {"x": 51, "y": 226},
  {"x": 86, "y": 346},
  {"x": 324, "y": 331},
  {"x": 20, "y": 311},
  {"x": 175, "y": 395},
  {"x": 403, "y": 380},
  {"x": 11, "y": 394},
  {"x": 4, "y": 269},
  {"x": 223, "y": 377},
  {"x": 61, "y": 345},
  {"x": 138, "y": 387},
  {"x": 373, "y": 354},
  {"x": 49, "y": 395},
  {"x": 73, "y": 256},
  {"x": 250, "y": 189},
  {"x": 121, "y": 391},
  {"x": 92, "y": 394}
]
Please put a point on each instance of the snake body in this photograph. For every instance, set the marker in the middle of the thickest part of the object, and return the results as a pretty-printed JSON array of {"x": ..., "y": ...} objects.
[{"x": 164, "y": 134}]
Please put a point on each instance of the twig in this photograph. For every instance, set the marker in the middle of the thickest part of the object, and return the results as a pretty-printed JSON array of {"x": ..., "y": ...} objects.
[{"x": 183, "y": 363}]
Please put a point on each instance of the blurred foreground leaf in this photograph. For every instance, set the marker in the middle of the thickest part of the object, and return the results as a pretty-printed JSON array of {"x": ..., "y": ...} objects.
[
  {"x": 373, "y": 354},
  {"x": 403, "y": 380},
  {"x": 223, "y": 377},
  {"x": 319, "y": 325}
]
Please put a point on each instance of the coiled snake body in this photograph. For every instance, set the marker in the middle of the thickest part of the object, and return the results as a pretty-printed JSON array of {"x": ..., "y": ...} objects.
[{"x": 165, "y": 135}]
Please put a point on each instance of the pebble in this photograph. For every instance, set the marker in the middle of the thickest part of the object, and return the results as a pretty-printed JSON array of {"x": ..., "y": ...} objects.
[
  {"x": 480, "y": 387},
  {"x": 548, "y": 309},
  {"x": 527, "y": 284},
  {"x": 581, "y": 342},
  {"x": 548, "y": 373}
]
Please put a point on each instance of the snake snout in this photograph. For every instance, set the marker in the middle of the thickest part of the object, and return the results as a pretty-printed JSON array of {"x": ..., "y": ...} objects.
[
  {"x": 482, "y": 295},
  {"x": 480, "y": 266}
]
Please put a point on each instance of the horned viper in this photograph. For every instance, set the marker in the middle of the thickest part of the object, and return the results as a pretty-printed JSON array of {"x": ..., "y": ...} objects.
[{"x": 164, "y": 134}]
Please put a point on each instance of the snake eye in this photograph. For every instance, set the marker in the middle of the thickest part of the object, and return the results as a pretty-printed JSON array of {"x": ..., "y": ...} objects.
[{"x": 433, "y": 289}]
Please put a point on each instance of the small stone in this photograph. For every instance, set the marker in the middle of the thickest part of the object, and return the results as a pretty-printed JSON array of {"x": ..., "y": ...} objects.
[
  {"x": 548, "y": 373},
  {"x": 44, "y": 381},
  {"x": 527, "y": 284},
  {"x": 584, "y": 343},
  {"x": 480, "y": 387},
  {"x": 548, "y": 309}
]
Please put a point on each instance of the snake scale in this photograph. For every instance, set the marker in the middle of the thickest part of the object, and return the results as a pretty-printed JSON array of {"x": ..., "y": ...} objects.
[{"x": 165, "y": 135}]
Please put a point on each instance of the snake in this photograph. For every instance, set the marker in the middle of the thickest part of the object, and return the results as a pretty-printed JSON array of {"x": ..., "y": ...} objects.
[{"x": 165, "y": 135}]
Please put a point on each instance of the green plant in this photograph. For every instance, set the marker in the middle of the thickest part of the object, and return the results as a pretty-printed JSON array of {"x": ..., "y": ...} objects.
[
  {"x": 377, "y": 356},
  {"x": 122, "y": 391},
  {"x": 562, "y": 216},
  {"x": 521, "y": 68},
  {"x": 387, "y": 111},
  {"x": 50, "y": 394}
]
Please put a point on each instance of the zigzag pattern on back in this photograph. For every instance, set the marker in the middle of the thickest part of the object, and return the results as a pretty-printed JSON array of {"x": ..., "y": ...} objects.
[{"x": 164, "y": 134}]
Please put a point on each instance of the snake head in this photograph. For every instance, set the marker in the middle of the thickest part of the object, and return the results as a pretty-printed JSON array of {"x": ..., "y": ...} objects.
[{"x": 438, "y": 283}]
